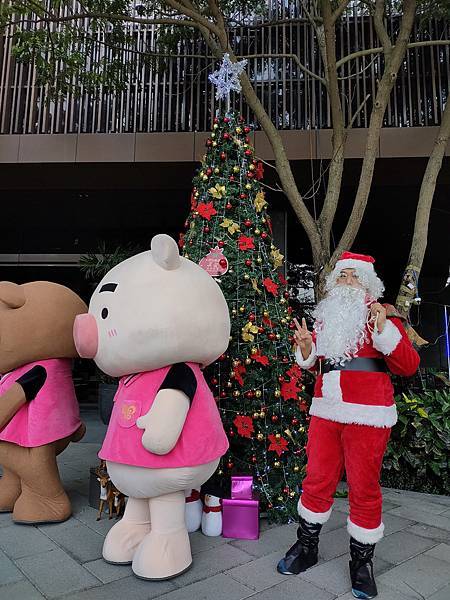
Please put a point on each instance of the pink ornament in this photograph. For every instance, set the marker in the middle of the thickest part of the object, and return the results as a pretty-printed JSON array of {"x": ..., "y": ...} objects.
[{"x": 215, "y": 263}]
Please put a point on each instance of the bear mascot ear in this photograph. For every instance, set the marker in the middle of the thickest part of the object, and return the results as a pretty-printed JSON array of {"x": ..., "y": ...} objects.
[
  {"x": 165, "y": 252},
  {"x": 11, "y": 294}
]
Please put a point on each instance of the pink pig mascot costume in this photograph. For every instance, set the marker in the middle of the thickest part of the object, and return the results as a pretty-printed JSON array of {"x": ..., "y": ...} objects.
[{"x": 154, "y": 321}]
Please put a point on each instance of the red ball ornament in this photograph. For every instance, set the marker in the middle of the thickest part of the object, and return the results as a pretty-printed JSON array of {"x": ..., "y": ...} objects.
[
  {"x": 249, "y": 394},
  {"x": 248, "y": 152},
  {"x": 272, "y": 337},
  {"x": 214, "y": 381},
  {"x": 208, "y": 171},
  {"x": 222, "y": 357},
  {"x": 228, "y": 205},
  {"x": 230, "y": 465},
  {"x": 294, "y": 422},
  {"x": 226, "y": 136},
  {"x": 261, "y": 330},
  {"x": 286, "y": 294},
  {"x": 231, "y": 433},
  {"x": 251, "y": 317},
  {"x": 280, "y": 378},
  {"x": 231, "y": 178},
  {"x": 247, "y": 223},
  {"x": 216, "y": 120},
  {"x": 247, "y": 129},
  {"x": 223, "y": 263},
  {"x": 253, "y": 459},
  {"x": 242, "y": 196},
  {"x": 223, "y": 156},
  {"x": 226, "y": 120},
  {"x": 208, "y": 142},
  {"x": 274, "y": 418},
  {"x": 286, "y": 490},
  {"x": 206, "y": 229},
  {"x": 264, "y": 235},
  {"x": 221, "y": 244},
  {"x": 248, "y": 263},
  {"x": 223, "y": 394},
  {"x": 285, "y": 359}
]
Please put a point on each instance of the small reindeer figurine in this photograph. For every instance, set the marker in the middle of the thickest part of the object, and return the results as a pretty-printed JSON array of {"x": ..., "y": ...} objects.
[
  {"x": 106, "y": 496},
  {"x": 119, "y": 501}
]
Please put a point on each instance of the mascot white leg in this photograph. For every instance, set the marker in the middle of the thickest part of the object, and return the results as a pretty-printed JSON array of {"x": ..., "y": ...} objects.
[
  {"x": 165, "y": 551},
  {"x": 123, "y": 539}
]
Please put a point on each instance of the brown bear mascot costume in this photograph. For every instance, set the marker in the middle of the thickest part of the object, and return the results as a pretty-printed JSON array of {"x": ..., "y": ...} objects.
[{"x": 39, "y": 414}]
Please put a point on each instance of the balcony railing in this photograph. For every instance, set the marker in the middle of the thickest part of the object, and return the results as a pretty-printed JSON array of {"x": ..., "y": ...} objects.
[{"x": 179, "y": 97}]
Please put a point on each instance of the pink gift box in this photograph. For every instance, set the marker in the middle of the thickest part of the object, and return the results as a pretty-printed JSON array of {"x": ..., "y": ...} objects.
[
  {"x": 242, "y": 487},
  {"x": 240, "y": 518}
]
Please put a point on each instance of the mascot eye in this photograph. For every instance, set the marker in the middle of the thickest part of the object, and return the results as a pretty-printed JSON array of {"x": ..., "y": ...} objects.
[{"x": 104, "y": 313}]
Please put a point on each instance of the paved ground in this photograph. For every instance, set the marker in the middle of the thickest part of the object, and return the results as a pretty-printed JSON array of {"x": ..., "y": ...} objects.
[{"x": 64, "y": 561}]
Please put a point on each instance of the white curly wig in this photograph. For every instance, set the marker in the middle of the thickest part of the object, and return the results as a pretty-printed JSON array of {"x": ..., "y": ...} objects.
[{"x": 363, "y": 266}]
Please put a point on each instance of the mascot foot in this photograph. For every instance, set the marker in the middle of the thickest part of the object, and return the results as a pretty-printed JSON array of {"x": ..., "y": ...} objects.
[
  {"x": 31, "y": 508},
  {"x": 162, "y": 556},
  {"x": 10, "y": 490},
  {"x": 122, "y": 540}
]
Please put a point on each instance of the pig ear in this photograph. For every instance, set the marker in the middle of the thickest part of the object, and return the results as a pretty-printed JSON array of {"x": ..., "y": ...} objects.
[
  {"x": 11, "y": 294},
  {"x": 165, "y": 252}
]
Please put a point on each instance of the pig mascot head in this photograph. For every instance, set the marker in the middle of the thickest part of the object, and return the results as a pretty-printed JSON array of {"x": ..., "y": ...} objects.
[
  {"x": 155, "y": 320},
  {"x": 39, "y": 412}
]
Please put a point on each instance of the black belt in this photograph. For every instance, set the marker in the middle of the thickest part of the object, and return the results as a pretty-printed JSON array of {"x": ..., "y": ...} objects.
[{"x": 374, "y": 365}]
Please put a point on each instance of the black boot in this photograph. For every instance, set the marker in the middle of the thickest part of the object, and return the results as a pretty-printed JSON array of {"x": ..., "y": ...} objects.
[
  {"x": 361, "y": 570},
  {"x": 303, "y": 553}
]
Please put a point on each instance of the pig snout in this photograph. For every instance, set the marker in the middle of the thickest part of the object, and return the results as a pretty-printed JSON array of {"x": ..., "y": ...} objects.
[{"x": 85, "y": 335}]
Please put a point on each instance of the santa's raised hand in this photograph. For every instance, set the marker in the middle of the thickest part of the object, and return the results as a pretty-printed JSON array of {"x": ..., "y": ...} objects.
[{"x": 303, "y": 338}]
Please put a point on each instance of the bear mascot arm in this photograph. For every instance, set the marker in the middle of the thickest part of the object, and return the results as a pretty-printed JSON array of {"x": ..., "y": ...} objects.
[
  {"x": 165, "y": 420},
  {"x": 25, "y": 389}
]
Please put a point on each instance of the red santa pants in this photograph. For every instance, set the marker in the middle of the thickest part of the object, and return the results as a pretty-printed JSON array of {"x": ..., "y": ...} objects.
[{"x": 359, "y": 449}]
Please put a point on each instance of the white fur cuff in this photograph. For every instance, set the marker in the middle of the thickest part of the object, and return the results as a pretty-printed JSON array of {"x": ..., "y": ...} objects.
[
  {"x": 312, "y": 517},
  {"x": 308, "y": 362},
  {"x": 365, "y": 536},
  {"x": 387, "y": 341}
]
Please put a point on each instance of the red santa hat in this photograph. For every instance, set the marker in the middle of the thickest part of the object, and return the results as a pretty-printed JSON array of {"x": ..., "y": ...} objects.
[
  {"x": 350, "y": 260},
  {"x": 364, "y": 268}
]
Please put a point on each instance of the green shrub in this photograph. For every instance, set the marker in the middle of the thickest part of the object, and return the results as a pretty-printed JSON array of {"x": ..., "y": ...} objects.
[{"x": 418, "y": 454}]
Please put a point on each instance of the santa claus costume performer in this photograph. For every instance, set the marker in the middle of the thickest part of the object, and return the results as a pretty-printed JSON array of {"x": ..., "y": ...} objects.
[{"x": 355, "y": 342}]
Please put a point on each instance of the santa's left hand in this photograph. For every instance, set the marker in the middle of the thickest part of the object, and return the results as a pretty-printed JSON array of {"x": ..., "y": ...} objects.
[{"x": 378, "y": 311}]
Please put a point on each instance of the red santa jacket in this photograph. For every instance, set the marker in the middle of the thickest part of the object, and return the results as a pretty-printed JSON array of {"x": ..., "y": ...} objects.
[{"x": 364, "y": 397}]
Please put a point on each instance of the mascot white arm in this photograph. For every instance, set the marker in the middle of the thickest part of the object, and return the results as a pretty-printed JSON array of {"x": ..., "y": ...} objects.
[{"x": 164, "y": 421}]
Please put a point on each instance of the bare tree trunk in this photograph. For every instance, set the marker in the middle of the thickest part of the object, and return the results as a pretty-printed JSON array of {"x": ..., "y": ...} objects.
[
  {"x": 387, "y": 82},
  {"x": 408, "y": 288}
]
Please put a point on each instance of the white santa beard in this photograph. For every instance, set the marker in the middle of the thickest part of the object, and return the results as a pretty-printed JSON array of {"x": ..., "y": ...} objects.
[{"x": 341, "y": 319}]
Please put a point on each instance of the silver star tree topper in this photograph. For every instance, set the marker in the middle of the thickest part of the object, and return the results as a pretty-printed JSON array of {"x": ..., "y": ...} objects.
[{"x": 226, "y": 78}]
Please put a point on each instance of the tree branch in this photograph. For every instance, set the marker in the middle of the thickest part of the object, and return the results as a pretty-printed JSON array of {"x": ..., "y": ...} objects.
[
  {"x": 411, "y": 274},
  {"x": 339, "y": 135},
  {"x": 380, "y": 28},
  {"x": 379, "y": 49},
  {"x": 376, "y": 120},
  {"x": 294, "y": 57},
  {"x": 339, "y": 10}
]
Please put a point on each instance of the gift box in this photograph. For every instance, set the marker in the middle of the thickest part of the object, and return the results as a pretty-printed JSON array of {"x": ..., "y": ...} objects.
[
  {"x": 240, "y": 518},
  {"x": 242, "y": 487}
]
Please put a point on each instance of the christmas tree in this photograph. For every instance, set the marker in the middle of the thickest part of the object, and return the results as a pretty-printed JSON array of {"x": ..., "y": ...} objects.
[{"x": 257, "y": 384}]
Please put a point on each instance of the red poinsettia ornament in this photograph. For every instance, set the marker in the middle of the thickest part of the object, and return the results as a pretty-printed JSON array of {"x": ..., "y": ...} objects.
[{"x": 244, "y": 425}]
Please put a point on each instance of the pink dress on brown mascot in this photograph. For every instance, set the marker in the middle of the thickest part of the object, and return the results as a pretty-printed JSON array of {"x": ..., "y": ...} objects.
[{"x": 39, "y": 414}]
